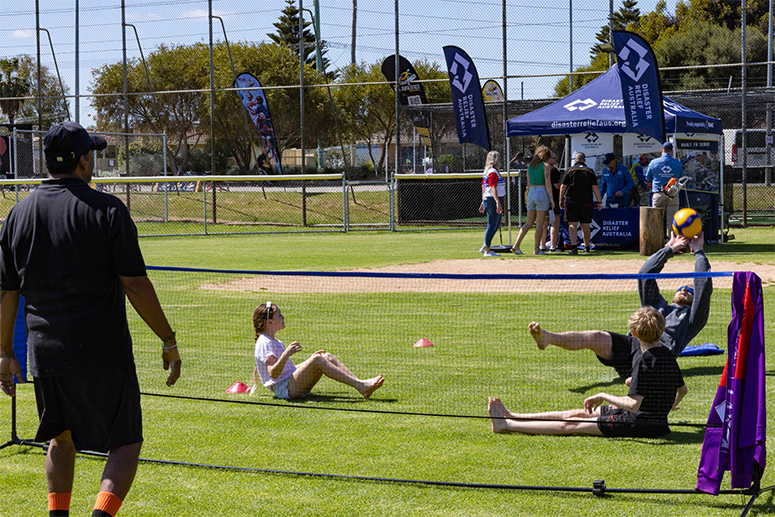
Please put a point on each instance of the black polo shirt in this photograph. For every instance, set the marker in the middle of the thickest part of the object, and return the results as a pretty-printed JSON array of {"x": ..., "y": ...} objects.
[{"x": 64, "y": 247}]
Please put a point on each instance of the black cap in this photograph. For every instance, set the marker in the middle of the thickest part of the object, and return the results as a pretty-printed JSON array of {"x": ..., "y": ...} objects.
[
  {"x": 668, "y": 146},
  {"x": 608, "y": 157},
  {"x": 68, "y": 141}
]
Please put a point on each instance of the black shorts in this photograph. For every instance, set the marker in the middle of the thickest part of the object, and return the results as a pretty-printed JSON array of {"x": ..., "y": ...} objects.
[
  {"x": 100, "y": 411},
  {"x": 578, "y": 212},
  {"x": 616, "y": 422},
  {"x": 623, "y": 347}
]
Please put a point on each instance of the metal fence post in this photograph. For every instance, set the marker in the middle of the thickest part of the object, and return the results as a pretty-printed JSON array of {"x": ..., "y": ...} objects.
[
  {"x": 345, "y": 205},
  {"x": 15, "y": 163},
  {"x": 204, "y": 205},
  {"x": 166, "y": 185}
]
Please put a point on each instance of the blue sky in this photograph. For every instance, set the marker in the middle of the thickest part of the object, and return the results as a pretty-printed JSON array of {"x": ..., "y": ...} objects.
[{"x": 538, "y": 32}]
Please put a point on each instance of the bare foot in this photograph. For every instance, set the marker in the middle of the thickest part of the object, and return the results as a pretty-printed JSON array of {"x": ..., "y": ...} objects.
[
  {"x": 505, "y": 412},
  {"x": 539, "y": 335},
  {"x": 496, "y": 417},
  {"x": 373, "y": 385}
]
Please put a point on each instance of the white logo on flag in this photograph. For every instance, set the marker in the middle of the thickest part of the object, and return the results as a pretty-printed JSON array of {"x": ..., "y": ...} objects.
[
  {"x": 584, "y": 105},
  {"x": 633, "y": 63},
  {"x": 466, "y": 77}
]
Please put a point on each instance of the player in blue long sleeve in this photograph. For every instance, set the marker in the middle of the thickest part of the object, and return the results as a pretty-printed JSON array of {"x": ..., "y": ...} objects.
[{"x": 616, "y": 183}]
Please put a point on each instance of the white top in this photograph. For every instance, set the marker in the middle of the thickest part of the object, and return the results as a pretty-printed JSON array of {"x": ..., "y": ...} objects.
[
  {"x": 266, "y": 346},
  {"x": 501, "y": 186}
]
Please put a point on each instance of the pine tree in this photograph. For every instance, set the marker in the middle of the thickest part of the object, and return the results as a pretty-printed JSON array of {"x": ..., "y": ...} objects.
[
  {"x": 627, "y": 14},
  {"x": 288, "y": 35}
]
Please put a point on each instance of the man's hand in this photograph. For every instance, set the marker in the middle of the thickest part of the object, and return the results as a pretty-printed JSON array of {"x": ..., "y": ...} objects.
[
  {"x": 698, "y": 242},
  {"x": 9, "y": 366},
  {"x": 677, "y": 242},
  {"x": 172, "y": 362},
  {"x": 618, "y": 194}
]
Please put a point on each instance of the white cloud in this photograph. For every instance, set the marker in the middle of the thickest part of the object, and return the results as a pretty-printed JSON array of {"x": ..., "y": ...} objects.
[
  {"x": 201, "y": 13},
  {"x": 23, "y": 34}
]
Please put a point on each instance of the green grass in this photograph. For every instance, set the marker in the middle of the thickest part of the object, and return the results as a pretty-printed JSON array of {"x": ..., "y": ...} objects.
[{"x": 481, "y": 349}]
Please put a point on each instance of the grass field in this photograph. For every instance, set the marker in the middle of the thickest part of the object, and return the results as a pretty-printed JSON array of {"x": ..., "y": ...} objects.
[{"x": 482, "y": 349}]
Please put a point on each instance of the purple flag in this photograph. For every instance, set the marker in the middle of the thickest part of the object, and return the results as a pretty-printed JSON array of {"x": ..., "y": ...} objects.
[{"x": 739, "y": 408}]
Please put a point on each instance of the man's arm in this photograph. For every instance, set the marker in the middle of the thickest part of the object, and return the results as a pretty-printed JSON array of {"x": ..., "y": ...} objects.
[
  {"x": 628, "y": 182},
  {"x": 142, "y": 295},
  {"x": 648, "y": 289},
  {"x": 9, "y": 365},
  {"x": 563, "y": 188},
  {"x": 596, "y": 191},
  {"x": 703, "y": 288}
]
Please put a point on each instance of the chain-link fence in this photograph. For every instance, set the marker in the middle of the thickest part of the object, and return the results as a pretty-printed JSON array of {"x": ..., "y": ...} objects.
[{"x": 344, "y": 120}]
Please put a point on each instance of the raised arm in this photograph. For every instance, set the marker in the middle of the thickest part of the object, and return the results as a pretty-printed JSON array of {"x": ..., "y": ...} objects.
[
  {"x": 142, "y": 296},
  {"x": 703, "y": 288},
  {"x": 648, "y": 289},
  {"x": 275, "y": 365}
]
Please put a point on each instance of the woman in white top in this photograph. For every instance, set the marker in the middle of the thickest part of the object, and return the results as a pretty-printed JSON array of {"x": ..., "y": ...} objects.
[
  {"x": 275, "y": 370},
  {"x": 493, "y": 192}
]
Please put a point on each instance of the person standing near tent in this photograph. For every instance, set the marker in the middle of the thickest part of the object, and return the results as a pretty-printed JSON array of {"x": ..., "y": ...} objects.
[
  {"x": 659, "y": 174},
  {"x": 616, "y": 183},
  {"x": 539, "y": 198},
  {"x": 552, "y": 223},
  {"x": 579, "y": 183},
  {"x": 493, "y": 192},
  {"x": 639, "y": 181},
  {"x": 73, "y": 253}
]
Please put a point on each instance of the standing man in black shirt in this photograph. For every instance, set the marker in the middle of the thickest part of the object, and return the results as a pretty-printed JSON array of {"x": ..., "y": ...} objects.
[
  {"x": 73, "y": 253},
  {"x": 578, "y": 185}
]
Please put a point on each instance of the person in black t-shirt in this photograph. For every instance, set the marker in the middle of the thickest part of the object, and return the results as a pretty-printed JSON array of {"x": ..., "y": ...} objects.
[
  {"x": 73, "y": 253},
  {"x": 578, "y": 185},
  {"x": 655, "y": 388}
]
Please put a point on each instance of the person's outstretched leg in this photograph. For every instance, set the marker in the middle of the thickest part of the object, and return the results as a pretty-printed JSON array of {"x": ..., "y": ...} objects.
[
  {"x": 596, "y": 340},
  {"x": 550, "y": 423},
  {"x": 60, "y": 470},
  {"x": 117, "y": 478},
  {"x": 308, "y": 374}
]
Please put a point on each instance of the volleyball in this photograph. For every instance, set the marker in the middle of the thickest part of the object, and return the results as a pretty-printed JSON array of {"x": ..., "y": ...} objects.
[{"x": 687, "y": 222}]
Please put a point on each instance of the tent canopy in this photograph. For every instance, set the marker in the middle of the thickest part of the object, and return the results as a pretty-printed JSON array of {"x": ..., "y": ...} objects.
[{"x": 598, "y": 107}]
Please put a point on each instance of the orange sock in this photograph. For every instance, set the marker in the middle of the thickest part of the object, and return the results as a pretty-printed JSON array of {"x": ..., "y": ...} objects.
[
  {"x": 59, "y": 502},
  {"x": 108, "y": 503}
]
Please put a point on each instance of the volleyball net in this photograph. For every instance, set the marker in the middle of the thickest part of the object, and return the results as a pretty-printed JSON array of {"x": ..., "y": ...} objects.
[{"x": 375, "y": 323}]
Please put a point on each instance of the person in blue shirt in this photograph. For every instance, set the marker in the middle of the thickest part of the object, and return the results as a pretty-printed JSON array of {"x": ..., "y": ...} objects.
[
  {"x": 661, "y": 170},
  {"x": 616, "y": 183}
]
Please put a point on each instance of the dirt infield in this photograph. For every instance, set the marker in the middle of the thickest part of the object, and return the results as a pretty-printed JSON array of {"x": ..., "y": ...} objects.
[{"x": 561, "y": 265}]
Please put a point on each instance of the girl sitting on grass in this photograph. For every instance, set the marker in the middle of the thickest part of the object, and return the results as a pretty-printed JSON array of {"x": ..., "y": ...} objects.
[{"x": 278, "y": 373}]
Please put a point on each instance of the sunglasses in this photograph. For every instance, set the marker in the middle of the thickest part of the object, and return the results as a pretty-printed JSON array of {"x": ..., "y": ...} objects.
[{"x": 688, "y": 288}]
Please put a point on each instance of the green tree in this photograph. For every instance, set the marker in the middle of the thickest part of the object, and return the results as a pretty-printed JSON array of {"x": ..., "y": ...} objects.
[
  {"x": 288, "y": 35},
  {"x": 52, "y": 105},
  {"x": 367, "y": 108},
  {"x": 626, "y": 18},
  {"x": 14, "y": 82},
  {"x": 185, "y": 114},
  {"x": 705, "y": 43}
]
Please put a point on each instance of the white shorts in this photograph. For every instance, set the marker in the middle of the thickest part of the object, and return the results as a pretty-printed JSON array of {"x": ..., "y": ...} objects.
[
  {"x": 538, "y": 199},
  {"x": 280, "y": 389}
]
